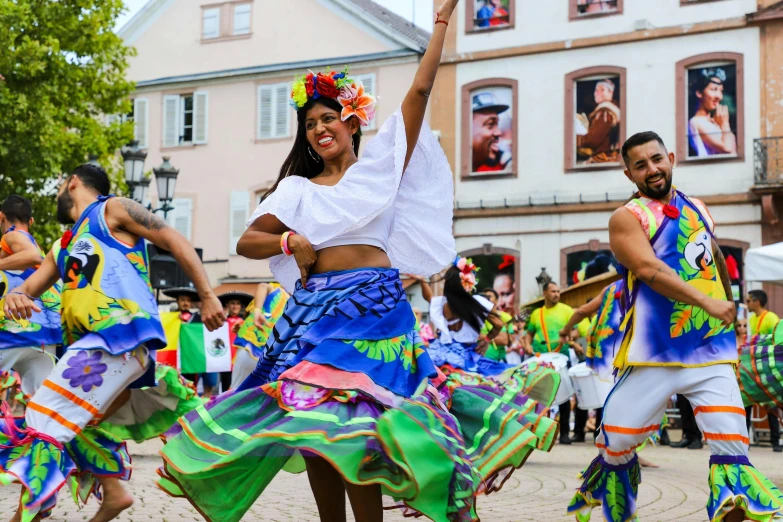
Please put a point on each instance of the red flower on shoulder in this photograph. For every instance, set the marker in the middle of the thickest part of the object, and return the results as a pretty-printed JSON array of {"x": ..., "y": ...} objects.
[
  {"x": 66, "y": 239},
  {"x": 671, "y": 211},
  {"x": 618, "y": 294}
]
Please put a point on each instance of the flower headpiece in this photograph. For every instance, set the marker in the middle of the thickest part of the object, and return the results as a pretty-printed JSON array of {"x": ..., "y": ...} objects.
[
  {"x": 467, "y": 273},
  {"x": 338, "y": 86}
]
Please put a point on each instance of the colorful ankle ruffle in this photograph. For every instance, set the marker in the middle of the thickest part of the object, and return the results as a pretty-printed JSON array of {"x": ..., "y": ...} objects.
[
  {"x": 96, "y": 454},
  {"x": 614, "y": 488},
  {"x": 735, "y": 483},
  {"x": 172, "y": 398}
]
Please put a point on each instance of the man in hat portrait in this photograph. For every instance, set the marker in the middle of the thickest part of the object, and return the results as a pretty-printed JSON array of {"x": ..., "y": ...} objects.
[{"x": 490, "y": 152}]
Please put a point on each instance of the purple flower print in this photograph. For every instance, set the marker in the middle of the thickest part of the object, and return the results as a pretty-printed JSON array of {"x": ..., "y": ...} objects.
[{"x": 85, "y": 370}]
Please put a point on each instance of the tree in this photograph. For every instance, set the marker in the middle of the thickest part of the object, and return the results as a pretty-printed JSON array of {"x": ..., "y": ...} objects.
[{"x": 62, "y": 68}]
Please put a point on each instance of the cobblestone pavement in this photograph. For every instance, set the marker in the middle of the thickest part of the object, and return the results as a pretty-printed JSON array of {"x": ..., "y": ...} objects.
[{"x": 539, "y": 491}]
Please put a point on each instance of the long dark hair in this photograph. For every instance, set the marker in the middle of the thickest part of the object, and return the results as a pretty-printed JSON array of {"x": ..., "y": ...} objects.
[
  {"x": 461, "y": 302},
  {"x": 299, "y": 161}
]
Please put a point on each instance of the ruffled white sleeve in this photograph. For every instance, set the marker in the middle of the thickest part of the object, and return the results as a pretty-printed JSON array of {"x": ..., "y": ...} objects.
[{"x": 421, "y": 240}]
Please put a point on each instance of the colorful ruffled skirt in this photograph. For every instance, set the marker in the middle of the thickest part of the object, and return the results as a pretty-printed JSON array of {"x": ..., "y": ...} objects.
[
  {"x": 349, "y": 381},
  {"x": 760, "y": 372},
  {"x": 44, "y": 466}
]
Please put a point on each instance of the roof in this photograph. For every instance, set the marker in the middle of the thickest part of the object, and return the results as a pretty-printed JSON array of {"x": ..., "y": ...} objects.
[
  {"x": 376, "y": 16},
  {"x": 394, "y": 22}
]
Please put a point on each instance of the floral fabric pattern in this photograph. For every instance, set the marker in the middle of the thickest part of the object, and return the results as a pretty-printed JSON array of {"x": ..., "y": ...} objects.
[{"x": 86, "y": 370}]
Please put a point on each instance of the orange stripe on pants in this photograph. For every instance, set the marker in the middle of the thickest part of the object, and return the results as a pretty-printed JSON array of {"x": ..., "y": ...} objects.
[
  {"x": 727, "y": 436},
  {"x": 55, "y": 416},
  {"x": 633, "y": 431},
  {"x": 718, "y": 409},
  {"x": 71, "y": 397}
]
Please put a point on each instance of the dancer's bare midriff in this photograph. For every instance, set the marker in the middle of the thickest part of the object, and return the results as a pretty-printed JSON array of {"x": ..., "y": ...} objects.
[{"x": 349, "y": 257}]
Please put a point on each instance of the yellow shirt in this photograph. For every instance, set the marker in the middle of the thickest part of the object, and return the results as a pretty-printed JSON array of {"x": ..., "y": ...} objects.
[
  {"x": 555, "y": 318},
  {"x": 763, "y": 324}
]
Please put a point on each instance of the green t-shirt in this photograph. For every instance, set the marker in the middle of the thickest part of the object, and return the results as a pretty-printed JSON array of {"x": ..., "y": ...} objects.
[
  {"x": 555, "y": 319},
  {"x": 762, "y": 325},
  {"x": 495, "y": 352}
]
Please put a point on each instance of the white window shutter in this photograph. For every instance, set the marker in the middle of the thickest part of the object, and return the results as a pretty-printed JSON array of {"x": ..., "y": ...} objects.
[
  {"x": 369, "y": 87},
  {"x": 210, "y": 25},
  {"x": 140, "y": 121},
  {"x": 242, "y": 19},
  {"x": 181, "y": 218},
  {"x": 238, "y": 209},
  {"x": 282, "y": 110},
  {"x": 265, "y": 112},
  {"x": 200, "y": 117},
  {"x": 171, "y": 120}
]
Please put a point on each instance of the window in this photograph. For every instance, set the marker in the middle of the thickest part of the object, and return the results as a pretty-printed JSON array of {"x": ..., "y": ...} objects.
[
  {"x": 694, "y": 2},
  {"x": 185, "y": 119},
  {"x": 238, "y": 216},
  {"x": 489, "y": 15},
  {"x": 210, "y": 23},
  {"x": 368, "y": 80},
  {"x": 241, "y": 19},
  {"x": 140, "y": 117},
  {"x": 181, "y": 218},
  {"x": 580, "y": 262},
  {"x": 594, "y": 118},
  {"x": 581, "y": 9},
  {"x": 710, "y": 107},
  {"x": 274, "y": 111},
  {"x": 489, "y": 130}
]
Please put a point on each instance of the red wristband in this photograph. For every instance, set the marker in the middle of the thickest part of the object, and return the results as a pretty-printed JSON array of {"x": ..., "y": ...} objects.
[{"x": 439, "y": 21}]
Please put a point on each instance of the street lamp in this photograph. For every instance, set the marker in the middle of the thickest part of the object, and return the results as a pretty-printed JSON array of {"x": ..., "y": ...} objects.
[
  {"x": 133, "y": 158},
  {"x": 139, "y": 191},
  {"x": 542, "y": 279},
  {"x": 166, "y": 181}
]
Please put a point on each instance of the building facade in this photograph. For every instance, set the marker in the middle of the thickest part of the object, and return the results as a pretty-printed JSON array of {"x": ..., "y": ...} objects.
[
  {"x": 534, "y": 100},
  {"x": 213, "y": 80}
]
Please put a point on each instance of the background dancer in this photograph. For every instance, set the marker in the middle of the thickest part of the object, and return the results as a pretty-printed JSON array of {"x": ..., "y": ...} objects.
[
  {"x": 234, "y": 304},
  {"x": 27, "y": 346},
  {"x": 761, "y": 320},
  {"x": 110, "y": 323},
  {"x": 678, "y": 338}
]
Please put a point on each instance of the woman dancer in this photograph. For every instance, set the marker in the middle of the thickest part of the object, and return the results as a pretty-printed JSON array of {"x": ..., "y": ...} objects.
[
  {"x": 344, "y": 380},
  {"x": 468, "y": 324}
]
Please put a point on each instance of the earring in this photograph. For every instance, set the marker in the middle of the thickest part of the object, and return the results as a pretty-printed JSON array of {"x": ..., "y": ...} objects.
[{"x": 316, "y": 157}]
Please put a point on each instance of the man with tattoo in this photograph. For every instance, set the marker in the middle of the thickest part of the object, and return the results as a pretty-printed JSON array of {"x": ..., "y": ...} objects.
[
  {"x": 111, "y": 329},
  {"x": 677, "y": 338}
]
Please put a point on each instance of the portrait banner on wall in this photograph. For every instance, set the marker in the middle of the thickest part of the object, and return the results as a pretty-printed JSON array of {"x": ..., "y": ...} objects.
[
  {"x": 491, "y": 130},
  {"x": 498, "y": 272},
  {"x": 588, "y": 7},
  {"x": 491, "y": 13},
  {"x": 712, "y": 110},
  {"x": 585, "y": 264},
  {"x": 598, "y": 120}
]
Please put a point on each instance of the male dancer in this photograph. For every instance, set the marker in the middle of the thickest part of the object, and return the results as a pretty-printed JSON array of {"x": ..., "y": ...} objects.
[
  {"x": 26, "y": 346},
  {"x": 677, "y": 339},
  {"x": 110, "y": 325}
]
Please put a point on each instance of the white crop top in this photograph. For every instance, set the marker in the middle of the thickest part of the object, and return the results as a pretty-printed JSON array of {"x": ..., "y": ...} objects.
[{"x": 375, "y": 233}]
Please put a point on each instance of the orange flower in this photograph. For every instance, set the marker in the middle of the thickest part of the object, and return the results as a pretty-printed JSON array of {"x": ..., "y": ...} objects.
[{"x": 356, "y": 103}]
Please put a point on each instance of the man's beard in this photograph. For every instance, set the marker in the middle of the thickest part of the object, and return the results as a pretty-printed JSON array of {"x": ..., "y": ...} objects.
[
  {"x": 657, "y": 193},
  {"x": 64, "y": 206}
]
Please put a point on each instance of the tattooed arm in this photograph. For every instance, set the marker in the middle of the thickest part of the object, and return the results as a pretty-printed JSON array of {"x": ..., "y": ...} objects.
[
  {"x": 633, "y": 250},
  {"x": 129, "y": 221}
]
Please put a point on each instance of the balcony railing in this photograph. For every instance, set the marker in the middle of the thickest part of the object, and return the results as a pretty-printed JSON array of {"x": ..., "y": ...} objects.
[{"x": 768, "y": 160}]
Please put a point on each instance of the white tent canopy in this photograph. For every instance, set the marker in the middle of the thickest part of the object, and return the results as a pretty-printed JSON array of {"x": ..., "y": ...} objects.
[{"x": 765, "y": 264}]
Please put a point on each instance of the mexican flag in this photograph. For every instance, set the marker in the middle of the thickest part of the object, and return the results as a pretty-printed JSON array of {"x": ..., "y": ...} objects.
[{"x": 194, "y": 349}]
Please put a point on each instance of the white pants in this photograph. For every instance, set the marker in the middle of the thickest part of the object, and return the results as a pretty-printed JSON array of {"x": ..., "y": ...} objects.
[
  {"x": 33, "y": 364},
  {"x": 244, "y": 364},
  {"x": 81, "y": 388},
  {"x": 634, "y": 408}
]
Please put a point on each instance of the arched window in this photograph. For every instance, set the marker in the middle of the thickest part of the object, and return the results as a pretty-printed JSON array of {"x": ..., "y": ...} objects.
[
  {"x": 580, "y": 262},
  {"x": 710, "y": 108},
  {"x": 499, "y": 269},
  {"x": 595, "y": 108}
]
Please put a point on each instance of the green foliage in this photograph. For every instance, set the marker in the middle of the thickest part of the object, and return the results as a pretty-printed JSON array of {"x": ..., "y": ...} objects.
[
  {"x": 61, "y": 69},
  {"x": 616, "y": 497},
  {"x": 96, "y": 453}
]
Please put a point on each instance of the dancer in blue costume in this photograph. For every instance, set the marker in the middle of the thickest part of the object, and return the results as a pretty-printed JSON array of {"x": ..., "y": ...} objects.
[
  {"x": 26, "y": 346},
  {"x": 110, "y": 327},
  {"x": 677, "y": 338}
]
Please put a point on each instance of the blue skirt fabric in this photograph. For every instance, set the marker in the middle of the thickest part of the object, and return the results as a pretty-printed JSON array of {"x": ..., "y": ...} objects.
[
  {"x": 464, "y": 357},
  {"x": 340, "y": 315}
]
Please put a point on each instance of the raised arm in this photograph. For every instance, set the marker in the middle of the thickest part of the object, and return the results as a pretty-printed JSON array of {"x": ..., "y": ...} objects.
[
  {"x": 131, "y": 217},
  {"x": 25, "y": 253},
  {"x": 19, "y": 302},
  {"x": 584, "y": 311},
  {"x": 415, "y": 103},
  {"x": 426, "y": 289},
  {"x": 632, "y": 249}
]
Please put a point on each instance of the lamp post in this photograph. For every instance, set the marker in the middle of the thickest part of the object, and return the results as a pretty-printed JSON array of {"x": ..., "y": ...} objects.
[
  {"x": 166, "y": 181},
  {"x": 542, "y": 279}
]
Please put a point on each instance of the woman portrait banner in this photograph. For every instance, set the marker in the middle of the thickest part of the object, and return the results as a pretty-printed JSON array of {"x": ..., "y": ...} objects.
[{"x": 712, "y": 110}]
